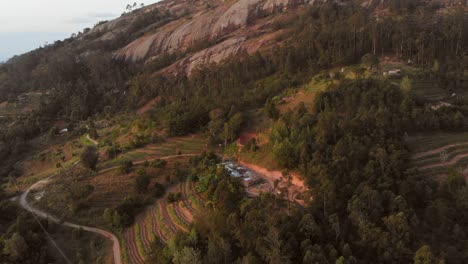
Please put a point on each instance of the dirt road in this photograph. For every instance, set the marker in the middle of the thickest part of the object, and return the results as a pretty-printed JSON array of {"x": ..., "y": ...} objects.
[
  {"x": 92, "y": 140},
  {"x": 23, "y": 201}
]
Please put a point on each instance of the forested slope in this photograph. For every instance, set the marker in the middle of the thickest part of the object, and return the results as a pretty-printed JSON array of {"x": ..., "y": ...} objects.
[{"x": 369, "y": 205}]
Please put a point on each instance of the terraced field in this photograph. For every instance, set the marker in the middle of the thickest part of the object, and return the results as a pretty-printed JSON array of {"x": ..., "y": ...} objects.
[
  {"x": 161, "y": 221},
  {"x": 427, "y": 90},
  {"x": 435, "y": 154},
  {"x": 173, "y": 146}
]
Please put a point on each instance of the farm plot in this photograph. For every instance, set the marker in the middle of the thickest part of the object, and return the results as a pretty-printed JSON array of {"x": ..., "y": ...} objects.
[
  {"x": 173, "y": 146},
  {"x": 161, "y": 221},
  {"x": 437, "y": 153}
]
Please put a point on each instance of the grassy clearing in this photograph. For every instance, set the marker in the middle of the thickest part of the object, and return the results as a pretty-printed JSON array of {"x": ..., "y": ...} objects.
[
  {"x": 25, "y": 181},
  {"x": 94, "y": 248},
  {"x": 28, "y": 103},
  {"x": 173, "y": 146},
  {"x": 86, "y": 141},
  {"x": 262, "y": 157}
]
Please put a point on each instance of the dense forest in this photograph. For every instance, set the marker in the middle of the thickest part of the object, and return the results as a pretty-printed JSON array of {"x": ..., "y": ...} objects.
[{"x": 368, "y": 205}]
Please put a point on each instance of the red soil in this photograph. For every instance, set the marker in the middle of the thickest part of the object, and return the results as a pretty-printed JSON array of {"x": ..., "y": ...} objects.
[
  {"x": 245, "y": 137},
  {"x": 156, "y": 228},
  {"x": 165, "y": 215},
  {"x": 178, "y": 214},
  {"x": 297, "y": 184},
  {"x": 132, "y": 249}
]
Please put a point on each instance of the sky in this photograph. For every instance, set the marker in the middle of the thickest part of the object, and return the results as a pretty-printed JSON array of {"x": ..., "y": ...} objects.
[{"x": 27, "y": 24}]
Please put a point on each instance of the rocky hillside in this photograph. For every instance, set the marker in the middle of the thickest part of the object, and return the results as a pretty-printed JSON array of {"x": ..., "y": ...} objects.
[
  {"x": 207, "y": 31},
  {"x": 217, "y": 29}
]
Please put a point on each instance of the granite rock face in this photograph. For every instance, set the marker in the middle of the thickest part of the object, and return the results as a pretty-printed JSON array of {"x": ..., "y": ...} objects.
[{"x": 227, "y": 25}]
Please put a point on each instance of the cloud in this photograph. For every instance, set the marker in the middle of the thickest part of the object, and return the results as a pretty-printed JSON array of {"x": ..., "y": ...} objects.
[{"x": 91, "y": 18}]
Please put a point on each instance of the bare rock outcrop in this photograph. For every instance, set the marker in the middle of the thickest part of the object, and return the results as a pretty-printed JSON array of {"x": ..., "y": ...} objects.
[{"x": 224, "y": 20}]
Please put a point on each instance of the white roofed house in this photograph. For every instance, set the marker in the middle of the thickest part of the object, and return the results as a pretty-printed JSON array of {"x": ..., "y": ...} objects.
[
  {"x": 250, "y": 178},
  {"x": 235, "y": 173}
]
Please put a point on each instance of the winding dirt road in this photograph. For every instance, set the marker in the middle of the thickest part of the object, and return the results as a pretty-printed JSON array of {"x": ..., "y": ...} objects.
[{"x": 24, "y": 203}]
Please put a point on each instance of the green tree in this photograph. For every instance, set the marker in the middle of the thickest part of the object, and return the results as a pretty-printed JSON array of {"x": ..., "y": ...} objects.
[
  {"x": 15, "y": 246},
  {"x": 406, "y": 85},
  {"x": 369, "y": 60},
  {"x": 116, "y": 220},
  {"x": 126, "y": 166},
  {"x": 142, "y": 182},
  {"x": 271, "y": 110},
  {"x": 158, "y": 163},
  {"x": 107, "y": 216},
  {"x": 424, "y": 256},
  {"x": 435, "y": 67},
  {"x": 187, "y": 255},
  {"x": 90, "y": 157}
]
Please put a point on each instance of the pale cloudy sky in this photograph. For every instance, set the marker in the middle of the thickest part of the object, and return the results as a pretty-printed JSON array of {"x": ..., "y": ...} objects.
[{"x": 28, "y": 24}]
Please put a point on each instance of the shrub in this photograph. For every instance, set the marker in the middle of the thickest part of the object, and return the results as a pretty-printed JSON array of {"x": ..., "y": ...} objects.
[
  {"x": 90, "y": 157},
  {"x": 141, "y": 182},
  {"x": 158, "y": 190},
  {"x": 126, "y": 166},
  {"x": 158, "y": 163},
  {"x": 113, "y": 151}
]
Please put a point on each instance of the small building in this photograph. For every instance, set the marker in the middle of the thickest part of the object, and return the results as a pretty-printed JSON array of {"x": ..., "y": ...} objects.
[
  {"x": 394, "y": 72},
  {"x": 235, "y": 173},
  {"x": 439, "y": 105},
  {"x": 250, "y": 178},
  {"x": 241, "y": 170}
]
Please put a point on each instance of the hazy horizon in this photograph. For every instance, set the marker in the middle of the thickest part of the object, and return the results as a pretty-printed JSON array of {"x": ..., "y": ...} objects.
[{"x": 23, "y": 28}]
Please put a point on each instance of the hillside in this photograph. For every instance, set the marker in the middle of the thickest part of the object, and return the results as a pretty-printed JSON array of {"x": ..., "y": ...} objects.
[{"x": 241, "y": 131}]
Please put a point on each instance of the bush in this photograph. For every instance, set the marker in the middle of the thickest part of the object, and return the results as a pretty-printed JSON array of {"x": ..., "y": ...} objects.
[
  {"x": 126, "y": 211},
  {"x": 113, "y": 151},
  {"x": 251, "y": 145},
  {"x": 159, "y": 163},
  {"x": 90, "y": 157},
  {"x": 126, "y": 166},
  {"x": 141, "y": 182},
  {"x": 370, "y": 60},
  {"x": 158, "y": 190}
]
